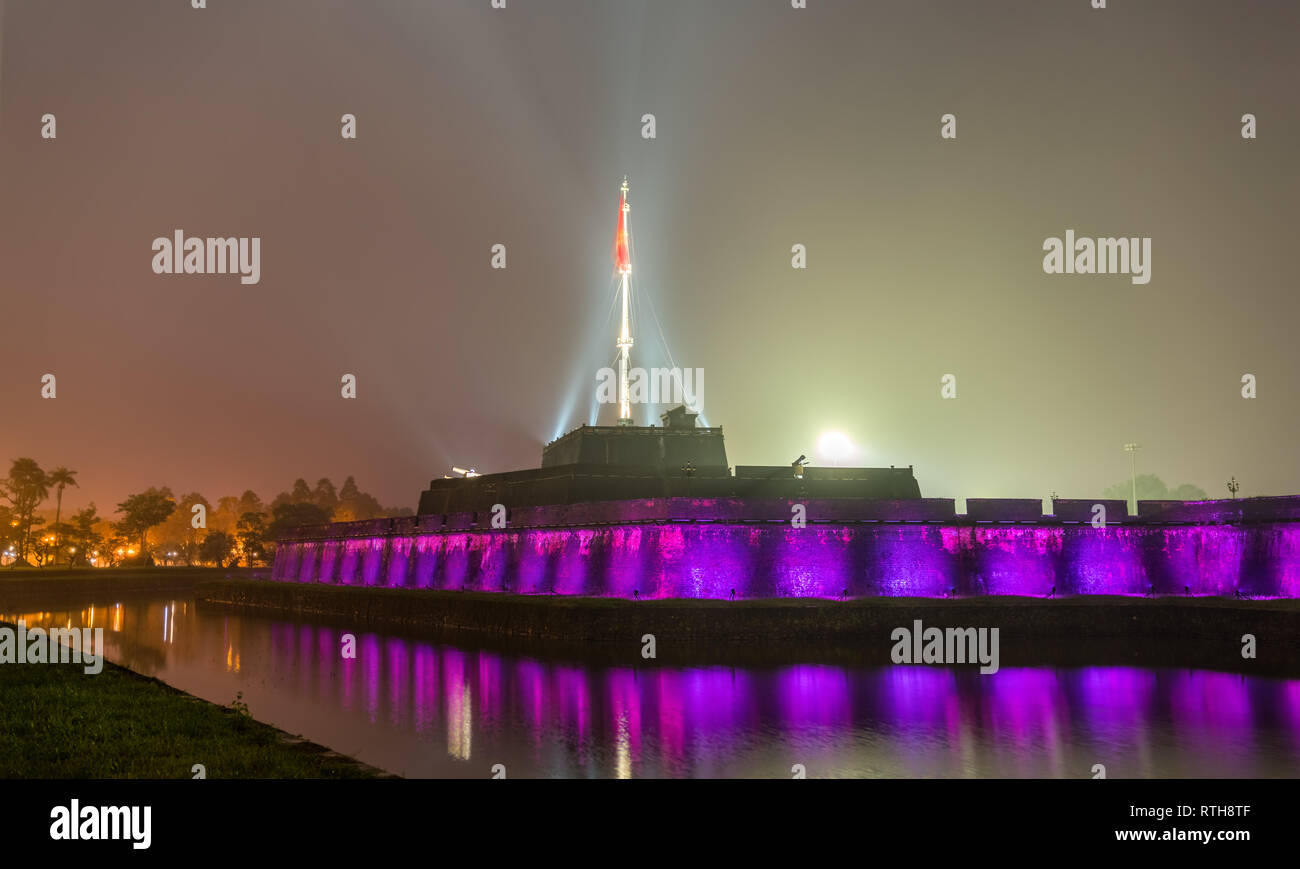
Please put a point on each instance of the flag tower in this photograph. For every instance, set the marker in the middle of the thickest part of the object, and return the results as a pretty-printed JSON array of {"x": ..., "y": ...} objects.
[{"x": 623, "y": 264}]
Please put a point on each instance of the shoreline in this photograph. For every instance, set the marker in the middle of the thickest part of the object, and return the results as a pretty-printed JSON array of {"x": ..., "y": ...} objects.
[
  {"x": 47, "y": 705},
  {"x": 1072, "y": 631},
  {"x": 54, "y": 586}
]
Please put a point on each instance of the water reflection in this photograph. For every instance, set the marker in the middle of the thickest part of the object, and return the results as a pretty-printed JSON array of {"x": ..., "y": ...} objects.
[{"x": 424, "y": 709}]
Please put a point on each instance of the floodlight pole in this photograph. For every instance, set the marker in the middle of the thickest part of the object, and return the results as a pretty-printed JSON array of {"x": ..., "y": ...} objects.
[{"x": 1132, "y": 449}]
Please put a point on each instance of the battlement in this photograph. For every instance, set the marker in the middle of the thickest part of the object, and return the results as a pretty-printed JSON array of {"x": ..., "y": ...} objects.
[{"x": 665, "y": 449}]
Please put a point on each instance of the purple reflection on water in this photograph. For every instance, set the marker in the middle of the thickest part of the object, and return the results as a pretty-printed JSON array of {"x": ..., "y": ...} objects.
[
  {"x": 424, "y": 709},
  {"x": 559, "y": 718},
  {"x": 708, "y": 560}
]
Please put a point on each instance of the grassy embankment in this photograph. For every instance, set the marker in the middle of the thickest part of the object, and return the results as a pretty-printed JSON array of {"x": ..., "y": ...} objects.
[
  {"x": 57, "y": 721},
  {"x": 158, "y": 573},
  {"x": 30, "y": 586}
]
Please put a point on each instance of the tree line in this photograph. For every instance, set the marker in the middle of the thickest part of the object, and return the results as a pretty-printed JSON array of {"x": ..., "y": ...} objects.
[
  {"x": 1152, "y": 488},
  {"x": 158, "y": 527}
]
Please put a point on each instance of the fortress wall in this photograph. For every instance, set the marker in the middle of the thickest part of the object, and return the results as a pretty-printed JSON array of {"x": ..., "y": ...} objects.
[
  {"x": 1081, "y": 509},
  {"x": 1240, "y": 510},
  {"x": 1004, "y": 509},
  {"x": 693, "y": 559},
  {"x": 644, "y": 510}
]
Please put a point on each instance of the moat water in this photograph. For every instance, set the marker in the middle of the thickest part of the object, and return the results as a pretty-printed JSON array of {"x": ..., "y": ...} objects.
[{"x": 425, "y": 709}]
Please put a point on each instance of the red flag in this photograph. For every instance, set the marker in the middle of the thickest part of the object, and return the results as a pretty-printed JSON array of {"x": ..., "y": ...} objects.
[{"x": 622, "y": 259}]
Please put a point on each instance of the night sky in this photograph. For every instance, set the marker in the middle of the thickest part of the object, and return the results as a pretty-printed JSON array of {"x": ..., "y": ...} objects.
[{"x": 774, "y": 127}]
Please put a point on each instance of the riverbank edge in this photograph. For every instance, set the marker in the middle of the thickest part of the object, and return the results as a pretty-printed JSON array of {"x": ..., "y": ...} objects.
[
  {"x": 295, "y": 747},
  {"x": 1084, "y": 630},
  {"x": 54, "y": 586}
]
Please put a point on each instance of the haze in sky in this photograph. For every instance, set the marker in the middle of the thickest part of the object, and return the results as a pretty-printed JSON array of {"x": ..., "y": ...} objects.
[{"x": 773, "y": 127}]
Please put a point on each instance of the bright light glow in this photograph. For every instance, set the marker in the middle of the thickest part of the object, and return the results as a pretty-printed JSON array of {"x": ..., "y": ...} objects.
[{"x": 834, "y": 446}]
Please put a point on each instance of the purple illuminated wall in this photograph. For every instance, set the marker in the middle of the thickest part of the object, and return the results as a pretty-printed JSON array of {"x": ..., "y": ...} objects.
[{"x": 665, "y": 557}]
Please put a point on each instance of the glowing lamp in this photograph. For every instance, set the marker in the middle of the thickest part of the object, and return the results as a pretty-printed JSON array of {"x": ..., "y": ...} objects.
[{"x": 834, "y": 446}]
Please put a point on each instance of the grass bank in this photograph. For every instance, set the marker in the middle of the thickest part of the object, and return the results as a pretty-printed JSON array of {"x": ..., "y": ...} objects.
[
  {"x": 1084, "y": 630},
  {"x": 58, "y": 722},
  {"x": 51, "y": 586}
]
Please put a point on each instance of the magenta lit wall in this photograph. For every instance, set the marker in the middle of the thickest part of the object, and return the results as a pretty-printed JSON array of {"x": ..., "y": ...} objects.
[{"x": 668, "y": 559}]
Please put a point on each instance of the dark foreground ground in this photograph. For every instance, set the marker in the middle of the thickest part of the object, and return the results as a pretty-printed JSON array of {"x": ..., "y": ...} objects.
[{"x": 57, "y": 721}]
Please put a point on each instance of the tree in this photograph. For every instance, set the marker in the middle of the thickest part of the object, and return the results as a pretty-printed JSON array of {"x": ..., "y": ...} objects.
[
  {"x": 288, "y": 516},
  {"x": 60, "y": 478},
  {"x": 143, "y": 511},
  {"x": 84, "y": 538},
  {"x": 1149, "y": 488},
  {"x": 178, "y": 530},
  {"x": 34, "y": 539},
  {"x": 325, "y": 495},
  {"x": 1188, "y": 492},
  {"x": 112, "y": 549},
  {"x": 61, "y": 541},
  {"x": 230, "y": 508},
  {"x": 217, "y": 547},
  {"x": 25, "y": 488},
  {"x": 355, "y": 504},
  {"x": 170, "y": 551},
  {"x": 226, "y": 516},
  {"x": 43, "y": 549},
  {"x": 251, "y": 534},
  {"x": 8, "y": 533},
  {"x": 1152, "y": 488},
  {"x": 303, "y": 493},
  {"x": 249, "y": 502}
]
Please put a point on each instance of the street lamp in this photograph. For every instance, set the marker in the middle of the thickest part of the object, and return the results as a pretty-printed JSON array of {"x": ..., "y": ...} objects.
[
  {"x": 1132, "y": 449},
  {"x": 1233, "y": 487}
]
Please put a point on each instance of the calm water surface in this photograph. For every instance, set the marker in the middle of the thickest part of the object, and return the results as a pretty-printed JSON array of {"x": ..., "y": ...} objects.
[{"x": 426, "y": 709}]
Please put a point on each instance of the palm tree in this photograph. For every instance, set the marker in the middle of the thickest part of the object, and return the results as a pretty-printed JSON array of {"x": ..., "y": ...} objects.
[
  {"x": 60, "y": 477},
  {"x": 25, "y": 488}
]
